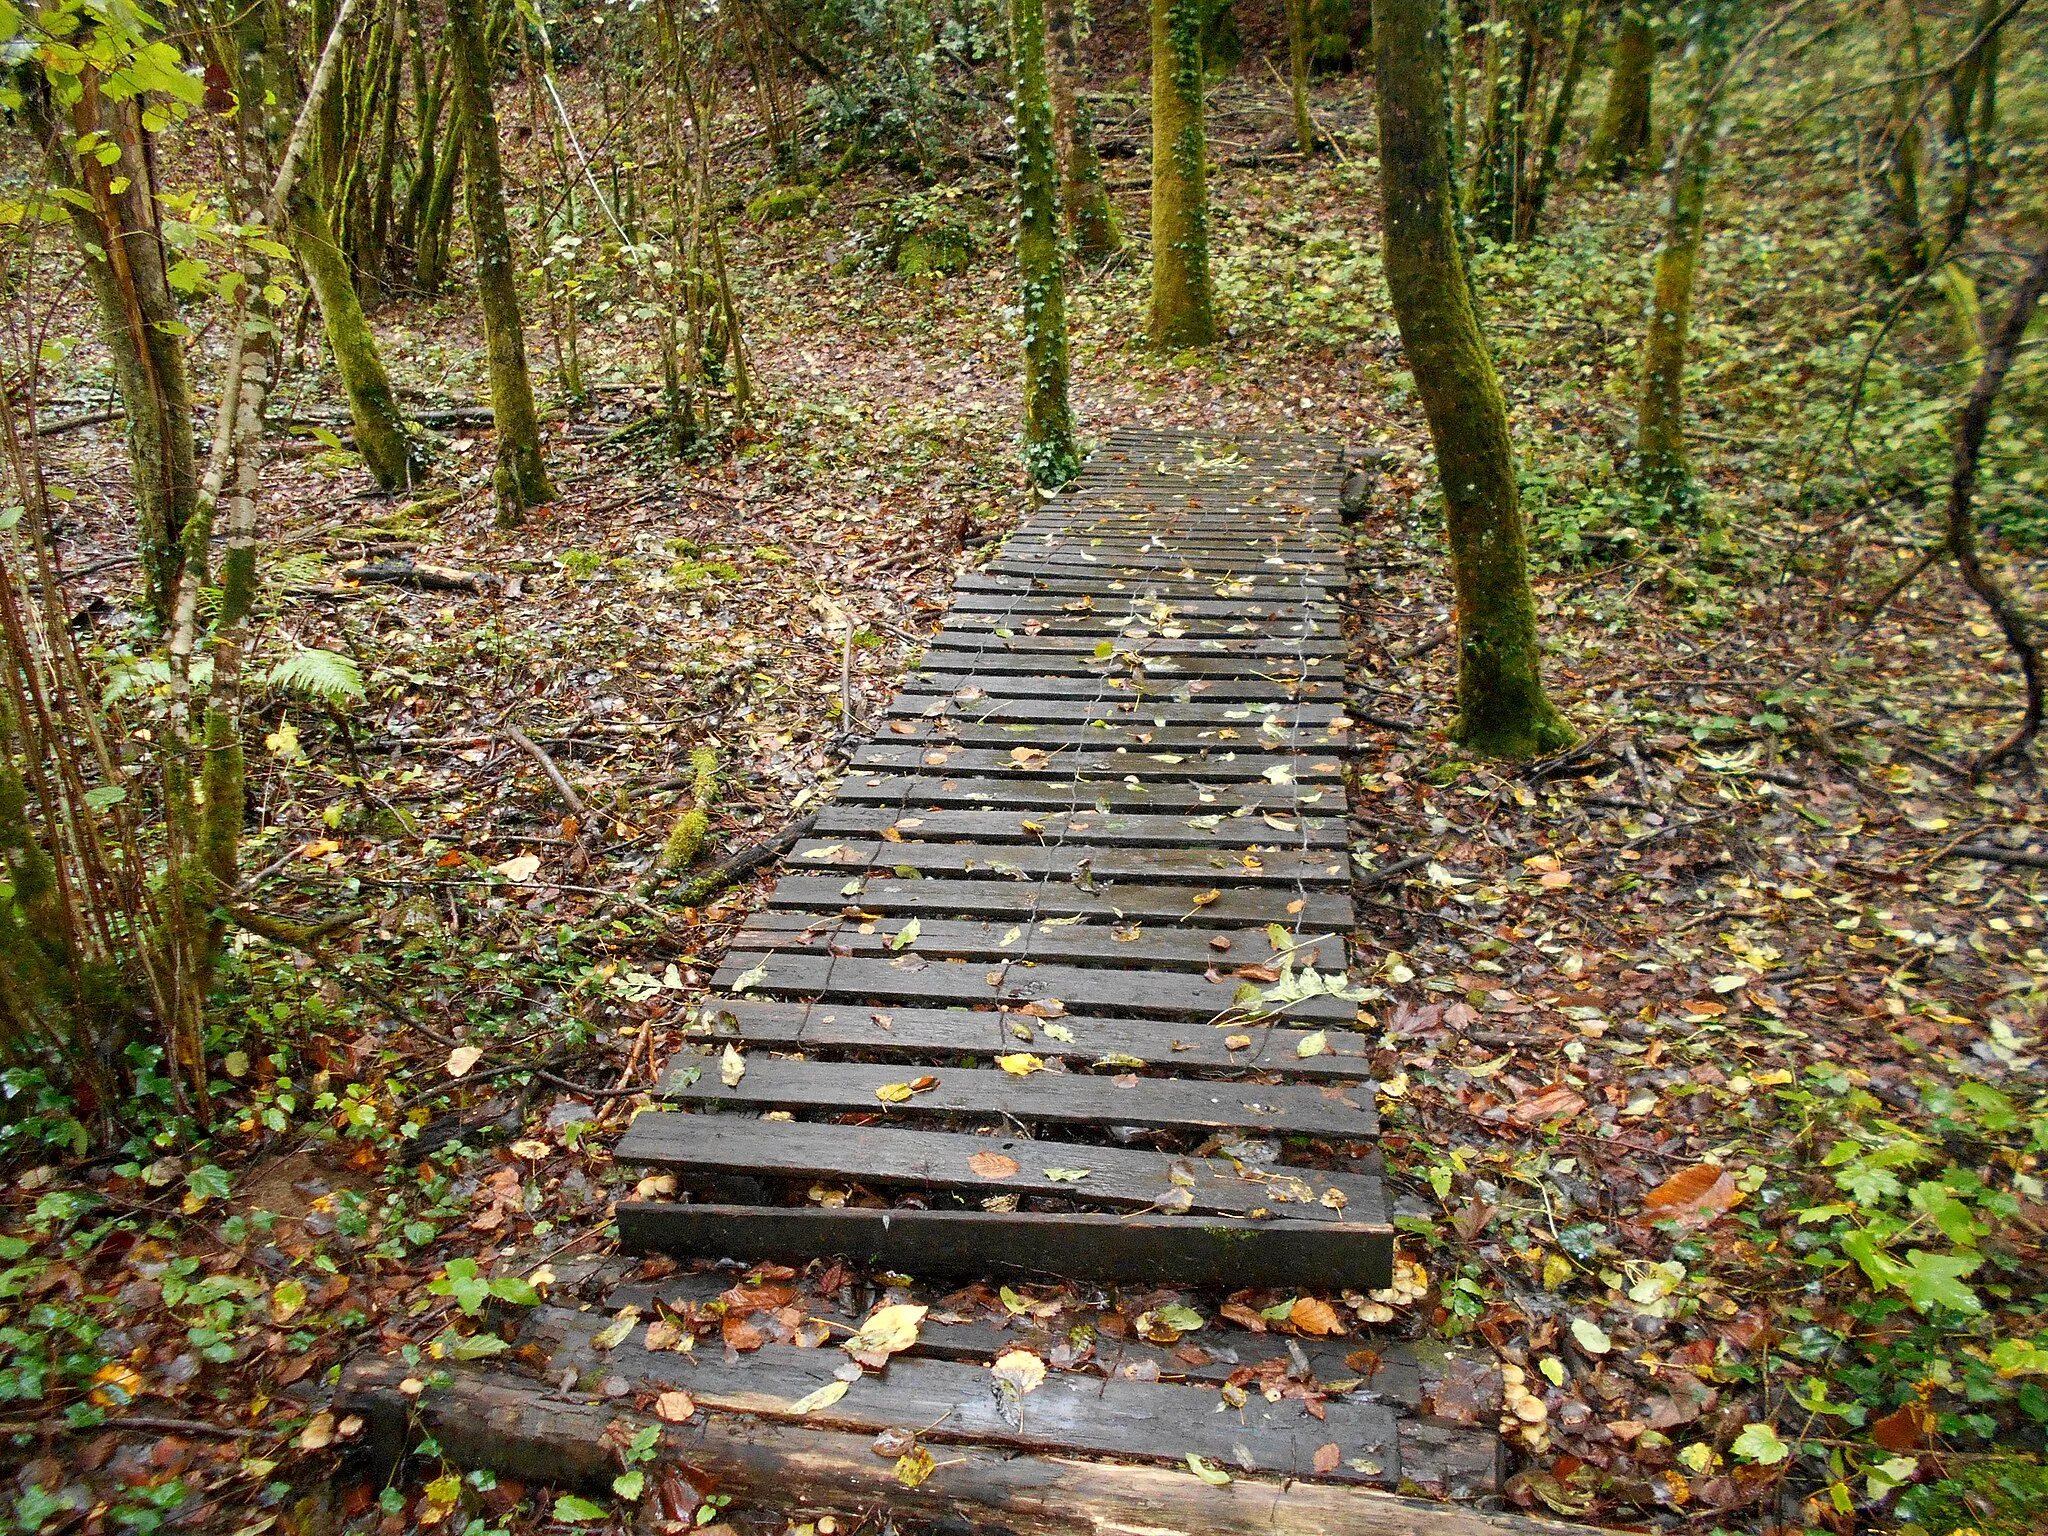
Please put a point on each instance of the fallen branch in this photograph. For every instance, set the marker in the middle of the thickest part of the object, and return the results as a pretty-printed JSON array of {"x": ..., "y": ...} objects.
[
  {"x": 405, "y": 572},
  {"x": 737, "y": 866},
  {"x": 2025, "y": 857},
  {"x": 538, "y": 753}
]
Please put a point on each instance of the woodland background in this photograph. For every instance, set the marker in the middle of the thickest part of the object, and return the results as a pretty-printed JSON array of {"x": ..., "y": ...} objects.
[{"x": 1711, "y": 1043}]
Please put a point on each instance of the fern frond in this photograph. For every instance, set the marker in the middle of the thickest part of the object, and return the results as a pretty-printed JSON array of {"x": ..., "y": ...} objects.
[{"x": 327, "y": 676}]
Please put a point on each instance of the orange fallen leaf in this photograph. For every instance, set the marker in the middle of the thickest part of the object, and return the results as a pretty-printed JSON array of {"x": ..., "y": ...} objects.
[
  {"x": 1690, "y": 1193},
  {"x": 1328, "y": 1457},
  {"x": 1553, "y": 1103},
  {"x": 992, "y": 1165},
  {"x": 674, "y": 1407},
  {"x": 1317, "y": 1318}
]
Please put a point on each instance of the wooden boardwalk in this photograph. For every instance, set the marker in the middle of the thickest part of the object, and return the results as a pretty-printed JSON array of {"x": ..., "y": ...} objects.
[
  {"x": 1023, "y": 1003},
  {"x": 1006, "y": 1017}
]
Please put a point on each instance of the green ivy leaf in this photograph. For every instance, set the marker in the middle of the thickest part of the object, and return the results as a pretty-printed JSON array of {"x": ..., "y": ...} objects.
[
  {"x": 1760, "y": 1443},
  {"x": 579, "y": 1511}
]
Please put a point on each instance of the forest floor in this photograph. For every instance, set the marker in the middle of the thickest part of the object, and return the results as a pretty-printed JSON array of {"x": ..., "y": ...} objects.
[{"x": 1711, "y": 1068}]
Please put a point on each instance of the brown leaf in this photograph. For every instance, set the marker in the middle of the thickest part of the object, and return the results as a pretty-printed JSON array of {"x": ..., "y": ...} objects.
[
  {"x": 741, "y": 1335},
  {"x": 1701, "y": 1191},
  {"x": 1243, "y": 1316},
  {"x": 674, "y": 1407},
  {"x": 992, "y": 1165},
  {"x": 1556, "y": 1102},
  {"x": 1904, "y": 1430},
  {"x": 1317, "y": 1318},
  {"x": 1328, "y": 1457}
]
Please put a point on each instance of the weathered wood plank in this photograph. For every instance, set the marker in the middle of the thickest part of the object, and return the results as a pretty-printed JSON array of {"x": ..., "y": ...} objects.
[
  {"x": 1070, "y": 1245},
  {"x": 1266, "y": 866},
  {"x": 1119, "y": 689},
  {"x": 1123, "y": 1177},
  {"x": 934, "y": 791},
  {"x": 1130, "y": 710},
  {"x": 1234, "y": 907},
  {"x": 1127, "y": 946},
  {"x": 1112, "y": 828},
  {"x": 1043, "y": 1098},
  {"x": 911, "y": 979},
  {"x": 924, "y": 1033}
]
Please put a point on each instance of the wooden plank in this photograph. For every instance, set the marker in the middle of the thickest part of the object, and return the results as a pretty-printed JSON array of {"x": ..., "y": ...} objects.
[
  {"x": 923, "y": 1033},
  {"x": 1244, "y": 736},
  {"x": 1126, "y": 946},
  {"x": 1392, "y": 1375},
  {"x": 934, "y": 790},
  {"x": 911, "y": 979},
  {"x": 1116, "y": 605},
  {"x": 524, "y": 1429},
  {"x": 1127, "y": 1178},
  {"x": 1145, "y": 713},
  {"x": 1043, "y": 1098},
  {"x": 1071, "y": 1245},
  {"x": 1156, "y": 670},
  {"x": 1071, "y": 645},
  {"x": 1251, "y": 587},
  {"x": 1235, "y": 906},
  {"x": 1118, "y": 688},
  {"x": 1113, "y": 828},
  {"x": 1209, "y": 766},
  {"x": 1283, "y": 867},
  {"x": 1070, "y": 1414}
]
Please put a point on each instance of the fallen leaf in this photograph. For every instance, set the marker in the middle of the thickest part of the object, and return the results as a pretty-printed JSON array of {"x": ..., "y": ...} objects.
[
  {"x": 1215, "y": 1477},
  {"x": 1590, "y": 1336},
  {"x": 824, "y": 1397},
  {"x": 674, "y": 1407},
  {"x": 1328, "y": 1458},
  {"x": 1317, "y": 1318},
  {"x": 1019, "y": 1063},
  {"x": 1553, "y": 1103},
  {"x": 462, "y": 1059},
  {"x": 1066, "y": 1175},
  {"x": 992, "y": 1165},
  {"x": 1701, "y": 1190},
  {"x": 1313, "y": 1044},
  {"x": 1020, "y": 1368},
  {"x": 914, "y": 1466},
  {"x": 888, "y": 1331},
  {"x": 732, "y": 1066},
  {"x": 519, "y": 870}
]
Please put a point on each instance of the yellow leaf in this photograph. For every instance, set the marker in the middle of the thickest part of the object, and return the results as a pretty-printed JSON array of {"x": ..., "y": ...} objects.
[
  {"x": 462, "y": 1058},
  {"x": 888, "y": 1331},
  {"x": 1313, "y": 1044},
  {"x": 824, "y": 1397},
  {"x": 1021, "y": 1369},
  {"x": 732, "y": 1066},
  {"x": 913, "y": 1466},
  {"x": 1020, "y": 1064}
]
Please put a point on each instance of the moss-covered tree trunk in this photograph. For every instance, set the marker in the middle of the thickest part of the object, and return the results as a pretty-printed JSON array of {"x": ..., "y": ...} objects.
[
  {"x": 1621, "y": 141},
  {"x": 521, "y": 479},
  {"x": 1663, "y": 473},
  {"x": 388, "y": 449},
  {"x": 114, "y": 218},
  {"x": 1536, "y": 189},
  {"x": 1091, "y": 217},
  {"x": 1049, "y": 453},
  {"x": 1297, "y": 75},
  {"x": 1330, "y": 36},
  {"x": 1502, "y": 708},
  {"x": 1497, "y": 169},
  {"x": 1183, "y": 302},
  {"x": 1904, "y": 249},
  {"x": 437, "y": 207}
]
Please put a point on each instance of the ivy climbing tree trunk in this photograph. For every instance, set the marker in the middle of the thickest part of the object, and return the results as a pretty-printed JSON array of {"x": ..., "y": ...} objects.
[
  {"x": 521, "y": 479},
  {"x": 114, "y": 217},
  {"x": 1904, "y": 249},
  {"x": 1621, "y": 141},
  {"x": 1049, "y": 453},
  {"x": 1183, "y": 303},
  {"x": 1502, "y": 708},
  {"x": 1663, "y": 474}
]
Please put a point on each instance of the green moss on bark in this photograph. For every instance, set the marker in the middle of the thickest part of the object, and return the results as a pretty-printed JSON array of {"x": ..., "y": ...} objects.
[
  {"x": 1183, "y": 301},
  {"x": 521, "y": 478},
  {"x": 1502, "y": 708},
  {"x": 1621, "y": 140},
  {"x": 388, "y": 450},
  {"x": 1049, "y": 453}
]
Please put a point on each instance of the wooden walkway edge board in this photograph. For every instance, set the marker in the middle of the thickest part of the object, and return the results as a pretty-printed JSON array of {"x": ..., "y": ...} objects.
[{"x": 487, "y": 1417}]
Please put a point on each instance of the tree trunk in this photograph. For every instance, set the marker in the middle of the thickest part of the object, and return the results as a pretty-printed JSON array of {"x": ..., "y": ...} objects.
[
  {"x": 388, "y": 450},
  {"x": 1091, "y": 216},
  {"x": 1622, "y": 139},
  {"x": 1663, "y": 474},
  {"x": 1328, "y": 24},
  {"x": 122, "y": 247},
  {"x": 1048, "y": 421},
  {"x": 1502, "y": 708},
  {"x": 1297, "y": 75},
  {"x": 521, "y": 479},
  {"x": 1529, "y": 208},
  {"x": 2013, "y": 620},
  {"x": 1496, "y": 174},
  {"x": 1904, "y": 244},
  {"x": 1183, "y": 304}
]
